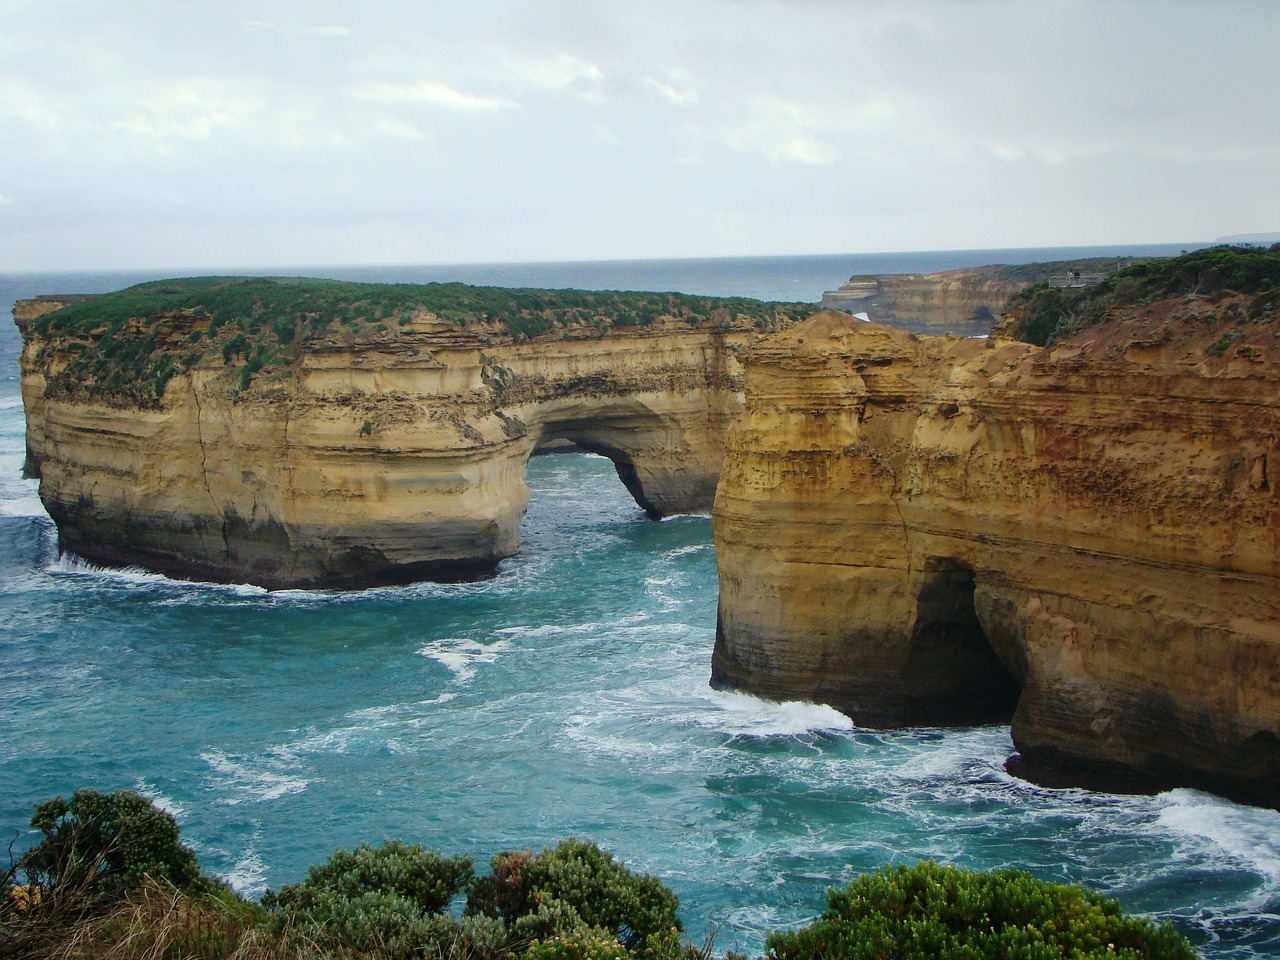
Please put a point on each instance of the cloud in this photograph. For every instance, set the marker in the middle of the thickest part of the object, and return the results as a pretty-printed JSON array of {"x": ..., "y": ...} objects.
[
  {"x": 560, "y": 72},
  {"x": 680, "y": 97},
  {"x": 264, "y": 26},
  {"x": 572, "y": 128},
  {"x": 784, "y": 132},
  {"x": 182, "y": 113},
  {"x": 398, "y": 129},
  {"x": 431, "y": 92}
]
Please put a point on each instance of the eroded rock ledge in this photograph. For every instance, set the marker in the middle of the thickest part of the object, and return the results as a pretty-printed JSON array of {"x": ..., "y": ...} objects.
[
  {"x": 363, "y": 451},
  {"x": 965, "y": 302},
  {"x": 924, "y": 530}
]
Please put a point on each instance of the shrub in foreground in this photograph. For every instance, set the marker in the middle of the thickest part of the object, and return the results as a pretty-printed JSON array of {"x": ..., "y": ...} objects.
[
  {"x": 385, "y": 900},
  {"x": 931, "y": 911},
  {"x": 107, "y": 842},
  {"x": 110, "y": 880},
  {"x": 575, "y": 885}
]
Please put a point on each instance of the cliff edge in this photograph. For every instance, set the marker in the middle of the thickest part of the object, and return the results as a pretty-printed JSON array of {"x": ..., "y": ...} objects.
[
  {"x": 967, "y": 302},
  {"x": 301, "y": 433},
  {"x": 1085, "y": 539}
]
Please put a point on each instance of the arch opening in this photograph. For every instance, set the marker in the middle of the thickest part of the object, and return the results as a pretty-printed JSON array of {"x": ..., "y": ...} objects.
[
  {"x": 951, "y": 652},
  {"x": 594, "y": 437}
]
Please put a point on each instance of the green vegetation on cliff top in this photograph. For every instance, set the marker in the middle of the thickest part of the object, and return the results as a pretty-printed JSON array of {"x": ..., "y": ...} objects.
[
  {"x": 124, "y": 347},
  {"x": 1046, "y": 315}
]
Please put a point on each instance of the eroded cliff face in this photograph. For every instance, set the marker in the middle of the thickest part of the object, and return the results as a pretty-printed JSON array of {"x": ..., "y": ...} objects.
[
  {"x": 937, "y": 530},
  {"x": 961, "y": 302},
  {"x": 390, "y": 459}
]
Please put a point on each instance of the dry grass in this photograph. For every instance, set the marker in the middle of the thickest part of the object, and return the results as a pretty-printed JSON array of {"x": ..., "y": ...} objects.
[{"x": 157, "y": 922}]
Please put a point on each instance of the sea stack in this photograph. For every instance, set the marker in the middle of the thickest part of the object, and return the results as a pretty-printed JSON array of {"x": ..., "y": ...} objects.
[{"x": 1086, "y": 539}]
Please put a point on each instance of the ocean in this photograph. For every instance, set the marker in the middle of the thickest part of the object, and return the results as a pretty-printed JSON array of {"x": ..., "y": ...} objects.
[{"x": 567, "y": 696}]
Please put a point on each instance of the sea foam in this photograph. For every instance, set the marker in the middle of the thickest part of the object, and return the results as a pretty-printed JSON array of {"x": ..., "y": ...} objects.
[{"x": 461, "y": 656}]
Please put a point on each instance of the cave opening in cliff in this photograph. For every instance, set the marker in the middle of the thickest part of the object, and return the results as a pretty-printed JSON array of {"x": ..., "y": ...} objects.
[{"x": 951, "y": 650}]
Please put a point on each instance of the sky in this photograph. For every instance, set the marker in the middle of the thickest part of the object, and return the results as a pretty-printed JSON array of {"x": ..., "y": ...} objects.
[{"x": 184, "y": 133}]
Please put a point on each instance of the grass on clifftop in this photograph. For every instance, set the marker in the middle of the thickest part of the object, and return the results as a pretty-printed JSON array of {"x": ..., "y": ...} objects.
[
  {"x": 124, "y": 347},
  {"x": 1046, "y": 315}
]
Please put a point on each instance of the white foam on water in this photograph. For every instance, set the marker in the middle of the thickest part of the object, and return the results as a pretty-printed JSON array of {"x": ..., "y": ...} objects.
[
  {"x": 167, "y": 804},
  {"x": 655, "y": 589},
  {"x": 955, "y": 754},
  {"x": 197, "y": 591},
  {"x": 754, "y": 922},
  {"x": 368, "y": 725},
  {"x": 686, "y": 551},
  {"x": 422, "y": 720},
  {"x": 246, "y": 784},
  {"x": 437, "y": 701},
  {"x": 21, "y": 504},
  {"x": 18, "y": 497},
  {"x": 374, "y": 713},
  {"x": 337, "y": 740},
  {"x": 69, "y": 564},
  {"x": 740, "y": 714},
  {"x": 461, "y": 655},
  {"x": 587, "y": 731},
  {"x": 575, "y": 629},
  {"x": 1246, "y": 836},
  {"x": 248, "y": 875}
]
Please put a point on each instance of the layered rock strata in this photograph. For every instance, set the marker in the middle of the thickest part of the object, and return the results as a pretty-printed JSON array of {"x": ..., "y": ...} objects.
[
  {"x": 961, "y": 302},
  {"x": 389, "y": 459},
  {"x": 939, "y": 530},
  {"x": 965, "y": 302}
]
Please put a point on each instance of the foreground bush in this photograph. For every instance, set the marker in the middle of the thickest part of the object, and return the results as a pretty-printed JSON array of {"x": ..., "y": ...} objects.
[
  {"x": 104, "y": 863},
  {"x": 386, "y": 901},
  {"x": 930, "y": 911},
  {"x": 110, "y": 881},
  {"x": 571, "y": 889},
  {"x": 106, "y": 842}
]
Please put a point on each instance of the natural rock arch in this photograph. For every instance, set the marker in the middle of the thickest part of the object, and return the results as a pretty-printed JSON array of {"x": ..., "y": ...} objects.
[{"x": 378, "y": 463}]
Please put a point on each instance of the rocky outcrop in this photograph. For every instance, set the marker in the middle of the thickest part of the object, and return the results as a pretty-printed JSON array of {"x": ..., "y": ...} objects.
[
  {"x": 1085, "y": 538},
  {"x": 387, "y": 455},
  {"x": 965, "y": 302},
  {"x": 961, "y": 302}
]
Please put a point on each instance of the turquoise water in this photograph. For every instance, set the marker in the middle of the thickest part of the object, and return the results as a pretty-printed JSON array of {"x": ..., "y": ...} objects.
[{"x": 566, "y": 696}]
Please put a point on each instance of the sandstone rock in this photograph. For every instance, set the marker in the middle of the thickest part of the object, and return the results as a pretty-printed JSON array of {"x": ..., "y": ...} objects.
[
  {"x": 965, "y": 302},
  {"x": 961, "y": 302},
  {"x": 397, "y": 459},
  {"x": 932, "y": 530}
]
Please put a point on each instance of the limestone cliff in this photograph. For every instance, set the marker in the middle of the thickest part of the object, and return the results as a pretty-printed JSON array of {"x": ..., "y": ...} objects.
[
  {"x": 1085, "y": 538},
  {"x": 965, "y": 302},
  {"x": 362, "y": 451}
]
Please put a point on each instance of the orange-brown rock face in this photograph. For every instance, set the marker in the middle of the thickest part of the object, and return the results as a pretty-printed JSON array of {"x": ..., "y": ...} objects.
[
  {"x": 929, "y": 530},
  {"x": 397, "y": 459}
]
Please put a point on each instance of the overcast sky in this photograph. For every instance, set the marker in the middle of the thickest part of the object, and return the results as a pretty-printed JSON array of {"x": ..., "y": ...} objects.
[{"x": 184, "y": 133}]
